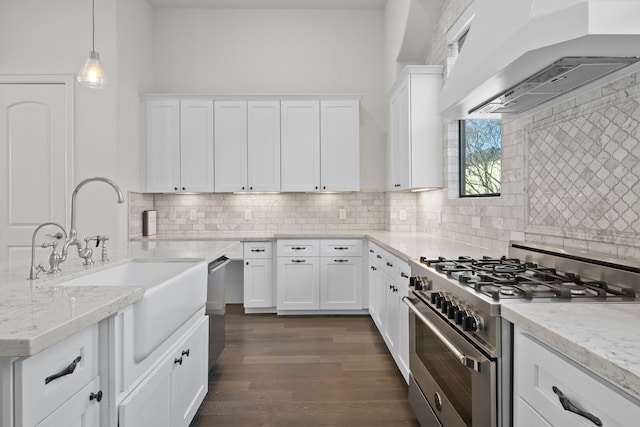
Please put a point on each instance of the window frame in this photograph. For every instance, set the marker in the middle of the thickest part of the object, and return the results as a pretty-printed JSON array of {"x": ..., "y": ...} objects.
[{"x": 461, "y": 165}]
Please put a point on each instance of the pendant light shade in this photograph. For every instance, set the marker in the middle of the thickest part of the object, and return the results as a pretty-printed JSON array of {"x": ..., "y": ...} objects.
[{"x": 92, "y": 74}]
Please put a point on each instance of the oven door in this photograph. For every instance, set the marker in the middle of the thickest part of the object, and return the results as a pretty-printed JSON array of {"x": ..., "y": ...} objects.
[{"x": 455, "y": 378}]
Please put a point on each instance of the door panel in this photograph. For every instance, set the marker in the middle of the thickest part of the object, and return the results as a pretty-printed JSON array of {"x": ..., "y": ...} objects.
[{"x": 35, "y": 165}]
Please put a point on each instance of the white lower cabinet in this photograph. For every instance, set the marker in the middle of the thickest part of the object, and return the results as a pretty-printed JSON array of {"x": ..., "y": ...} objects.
[
  {"x": 319, "y": 275},
  {"x": 388, "y": 283},
  {"x": 340, "y": 283},
  {"x": 79, "y": 410},
  {"x": 298, "y": 283},
  {"x": 53, "y": 387},
  {"x": 172, "y": 393},
  {"x": 258, "y": 275},
  {"x": 540, "y": 374}
]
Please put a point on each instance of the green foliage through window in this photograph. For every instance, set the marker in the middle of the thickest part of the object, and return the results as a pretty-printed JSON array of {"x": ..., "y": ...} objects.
[{"x": 480, "y": 157}]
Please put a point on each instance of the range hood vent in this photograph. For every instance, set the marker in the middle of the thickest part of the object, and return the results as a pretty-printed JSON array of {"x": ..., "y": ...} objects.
[
  {"x": 558, "y": 78},
  {"x": 519, "y": 55}
]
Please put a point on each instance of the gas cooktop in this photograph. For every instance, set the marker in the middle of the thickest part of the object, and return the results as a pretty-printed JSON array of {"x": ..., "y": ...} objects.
[{"x": 511, "y": 278}]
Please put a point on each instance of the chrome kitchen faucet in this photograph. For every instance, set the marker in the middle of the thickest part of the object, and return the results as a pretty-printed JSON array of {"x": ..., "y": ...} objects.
[{"x": 86, "y": 252}]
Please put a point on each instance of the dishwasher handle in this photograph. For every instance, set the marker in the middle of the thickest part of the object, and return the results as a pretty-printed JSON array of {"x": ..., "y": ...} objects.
[{"x": 218, "y": 263}]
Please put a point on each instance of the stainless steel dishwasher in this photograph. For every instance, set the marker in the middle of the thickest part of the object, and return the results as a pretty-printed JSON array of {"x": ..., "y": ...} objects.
[{"x": 215, "y": 308}]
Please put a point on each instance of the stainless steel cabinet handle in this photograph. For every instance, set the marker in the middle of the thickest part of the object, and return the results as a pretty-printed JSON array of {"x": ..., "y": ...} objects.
[
  {"x": 569, "y": 406},
  {"x": 468, "y": 361},
  {"x": 66, "y": 371}
]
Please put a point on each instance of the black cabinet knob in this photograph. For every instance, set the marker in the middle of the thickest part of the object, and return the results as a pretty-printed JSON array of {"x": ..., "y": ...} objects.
[
  {"x": 186, "y": 353},
  {"x": 178, "y": 361},
  {"x": 243, "y": 188},
  {"x": 96, "y": 396},
  {"x": 250, "y": 188},
  {"x": 175, "y": 188},
  {"x": 184, "y": 188}
]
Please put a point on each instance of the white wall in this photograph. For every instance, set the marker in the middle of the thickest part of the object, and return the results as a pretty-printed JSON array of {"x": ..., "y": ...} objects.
[
  {"x": 54, "y": 37},
  {"x": 280, "y": 51}
]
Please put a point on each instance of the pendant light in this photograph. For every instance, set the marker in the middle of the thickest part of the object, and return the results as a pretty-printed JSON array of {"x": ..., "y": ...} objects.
[{"x": 92, "y": 74}]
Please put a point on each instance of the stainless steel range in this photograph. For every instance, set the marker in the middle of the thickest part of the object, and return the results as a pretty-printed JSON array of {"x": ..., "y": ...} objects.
[{"x": 460, "y": 347}]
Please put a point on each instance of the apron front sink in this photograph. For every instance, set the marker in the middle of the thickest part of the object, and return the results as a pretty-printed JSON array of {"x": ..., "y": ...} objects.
[{"x": 174, "y": 291}]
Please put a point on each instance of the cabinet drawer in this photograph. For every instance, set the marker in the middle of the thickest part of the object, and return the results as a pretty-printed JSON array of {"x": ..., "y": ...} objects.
[
  {"x": 391, "y": 265},
  {"x": 298, "y": 247},
  {"x": 376, "y": 254},
  {"x": 538, "y": 369},
  {"x": 341, "y": 248},
  {"x": 38, "y": 393},
  {"x": 78, "y": 410},
  {"x": 254, "y": 250}
]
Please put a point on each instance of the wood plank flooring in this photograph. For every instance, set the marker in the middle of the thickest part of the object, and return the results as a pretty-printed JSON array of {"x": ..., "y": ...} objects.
[{"x": 304, "y": 371}]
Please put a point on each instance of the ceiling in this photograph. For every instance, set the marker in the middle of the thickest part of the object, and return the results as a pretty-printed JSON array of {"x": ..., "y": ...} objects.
[{"x": 272, "y": 4}]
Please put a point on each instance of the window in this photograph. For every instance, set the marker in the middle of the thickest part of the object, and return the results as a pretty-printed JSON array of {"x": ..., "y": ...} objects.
[{"x": 480, "y": 157}]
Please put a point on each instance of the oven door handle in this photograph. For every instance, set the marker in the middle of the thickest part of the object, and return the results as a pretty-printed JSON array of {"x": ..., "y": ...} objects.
[{"x": 468, "y": 361}]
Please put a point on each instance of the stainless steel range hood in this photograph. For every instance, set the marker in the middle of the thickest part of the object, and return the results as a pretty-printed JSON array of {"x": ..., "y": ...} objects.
[{"x": 524, "y": 54}]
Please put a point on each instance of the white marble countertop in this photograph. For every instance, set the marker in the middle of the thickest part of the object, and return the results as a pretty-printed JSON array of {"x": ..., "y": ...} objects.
[
  {"x": 603, "y": 337},
  {"x": 37, "y": 314}
]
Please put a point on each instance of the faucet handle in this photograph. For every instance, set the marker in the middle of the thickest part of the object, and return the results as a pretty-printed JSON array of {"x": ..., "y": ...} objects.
[
  {"x": 54, "y": 258},
  {"x": 103, "y": 254},
  {"x": 53, "y": 244},
  {"x": 58, "y": 235}
]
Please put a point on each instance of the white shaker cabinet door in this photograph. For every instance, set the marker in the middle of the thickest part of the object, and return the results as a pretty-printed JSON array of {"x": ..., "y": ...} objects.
[
  {"x": 300, "y": 144},
  {"x": 263, "y": 157},
  {"x": 162, "y": 146},
  {"x": 340, "y": 145},
  {"x": 196, "y": 146},
  {"x": 298, "y": 283},
  {"x": 230, "y": 146},
  {"x": 340, "y": 283},
  {"x": 258, "y": 283},
  {"x": 400, "y": 139}
]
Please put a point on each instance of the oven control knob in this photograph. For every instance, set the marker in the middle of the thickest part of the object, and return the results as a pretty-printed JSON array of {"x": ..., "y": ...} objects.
[
  {"x": 452, "y": 313},
  {"x": 460, "y": 316},
  {"x": 445, "y": 306},
  {"x": 472, "y": 323},
  {"x": 439, "y": 299},
  {"x": 434, "y": 297}
]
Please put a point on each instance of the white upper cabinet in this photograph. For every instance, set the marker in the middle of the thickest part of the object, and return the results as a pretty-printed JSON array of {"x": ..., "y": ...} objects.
[
  {"x": 340, "y": 145},
  {"x": 321, "y": 145},
  {"x": 263, "y": 157},
  {"x": 247, "y": 145},
  {"x": 300, "y": 142},
  {"x": 178, "y": 145},
  {"x": 416, "y": 129},
  {"x": 196, "y": 146},
  {"x": 230, "y": 146}
]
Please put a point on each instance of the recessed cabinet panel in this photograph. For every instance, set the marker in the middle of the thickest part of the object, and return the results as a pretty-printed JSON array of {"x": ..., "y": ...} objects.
[
  {"x": 196, "y": 146},
  {"x": 300, "y": 144},
  {"x": 340, "y": 145},
  {"x": 298, "y": 283},
  {"x": 230, "y": 146},
  {"x": 415, "y": 129},
  {"x": 341, "y": 286},
  {"x": 263, "y": 157},
  {"x": 258, "y": 280},
  {"x": 162, "y": 146},
  {"x": 78, "y": 411}
]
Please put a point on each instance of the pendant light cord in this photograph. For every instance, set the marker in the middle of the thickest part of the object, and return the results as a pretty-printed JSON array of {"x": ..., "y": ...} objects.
[{"x": 93, "y": 25}]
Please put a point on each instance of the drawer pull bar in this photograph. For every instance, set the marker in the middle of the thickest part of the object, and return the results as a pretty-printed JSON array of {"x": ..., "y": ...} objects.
[
  {"x": 404, "y": 275},
  {"x": 257, "y": 250},
  {"x": 569, "y": 406},
  {"x": 297, "y": 260},
  {"x": 66, "y": 371},
  {"x": 96, "y": 396},
  {"x": 340, "y": 260},
  {"x": 340, "y": 248},
  {"x": 297, "y": 248}
]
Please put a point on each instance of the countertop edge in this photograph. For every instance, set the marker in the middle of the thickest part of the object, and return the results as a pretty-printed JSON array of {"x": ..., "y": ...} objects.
[{"x": 614, "y": 374}]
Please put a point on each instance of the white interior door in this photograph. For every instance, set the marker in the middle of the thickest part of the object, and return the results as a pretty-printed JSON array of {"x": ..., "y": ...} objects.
[{"x": 36, "y": 161}]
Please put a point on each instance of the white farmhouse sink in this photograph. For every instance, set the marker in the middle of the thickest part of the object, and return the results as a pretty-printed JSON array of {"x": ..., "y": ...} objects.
[{"x": 174, "y": 291}]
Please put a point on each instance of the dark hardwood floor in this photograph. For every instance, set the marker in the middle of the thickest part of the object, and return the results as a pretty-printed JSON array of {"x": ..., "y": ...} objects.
[{"x": 304, "y": 371}]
